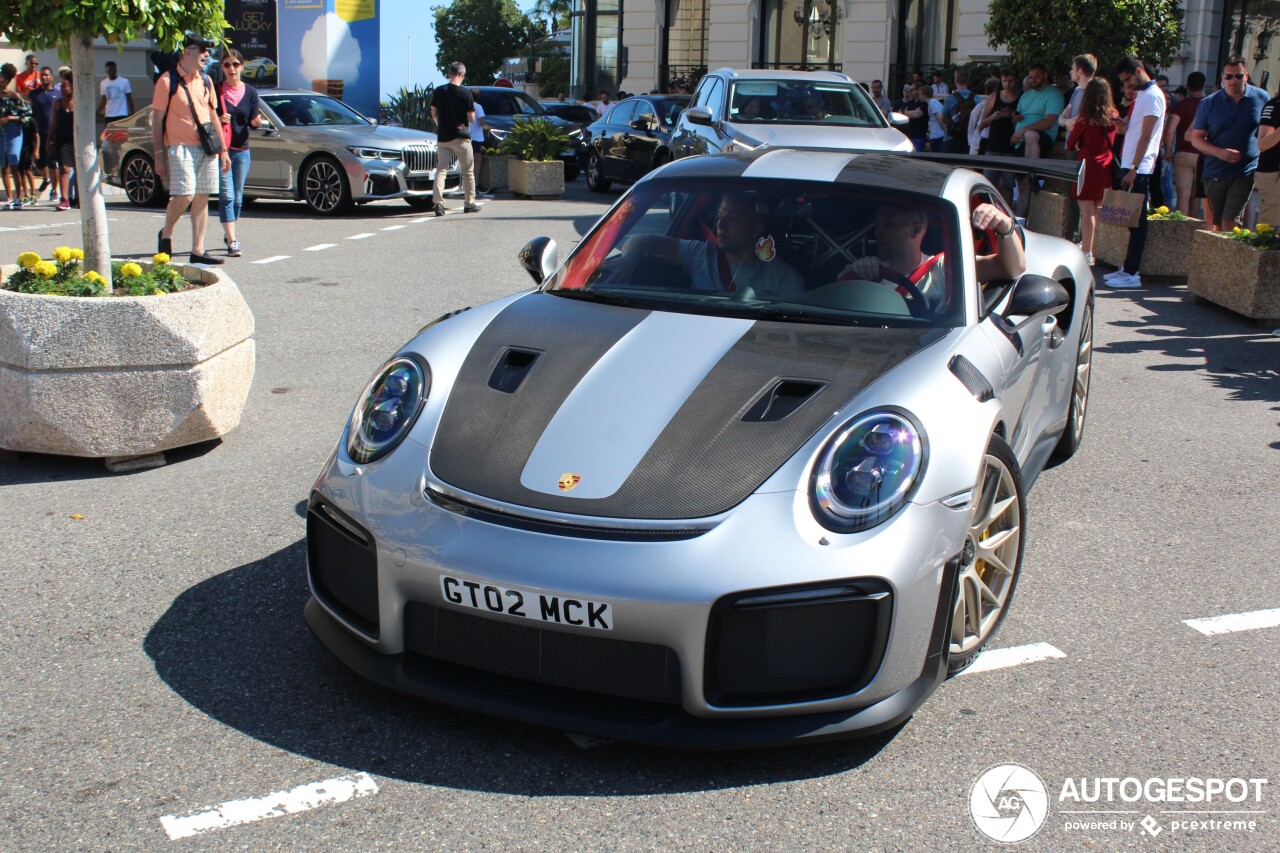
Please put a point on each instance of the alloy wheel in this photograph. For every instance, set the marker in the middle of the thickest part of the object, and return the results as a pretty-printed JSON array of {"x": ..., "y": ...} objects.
[
  {"x": 992, "y": 555},
  {"x": 323, "y": 187},
  {"x": 1084, "y": 368},
  {"x": 139, "y": 181}
]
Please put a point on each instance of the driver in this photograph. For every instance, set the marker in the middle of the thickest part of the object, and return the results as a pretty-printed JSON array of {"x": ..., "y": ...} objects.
[
  {"x": 900, "y": 229},
  {"x": 746, "y": 257}
]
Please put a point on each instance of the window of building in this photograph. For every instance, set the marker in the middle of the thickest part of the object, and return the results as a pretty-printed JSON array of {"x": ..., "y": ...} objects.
[{"x": 801, "y": 34}]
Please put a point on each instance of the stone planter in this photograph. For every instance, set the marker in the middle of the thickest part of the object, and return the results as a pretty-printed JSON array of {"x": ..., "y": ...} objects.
[
  {"x": 494, "y": 170},
  {"x": 123, "y": 376},
  {"x": 534, "y": 179},
  {"x": 1168, "y": 250},
  {"x": 1236, "y": 276},
  {"x": 1052, "y": 214}
]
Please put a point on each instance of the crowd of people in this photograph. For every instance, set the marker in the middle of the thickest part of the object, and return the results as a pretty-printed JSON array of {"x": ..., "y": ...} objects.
[{"x": 1205, "y": 153}]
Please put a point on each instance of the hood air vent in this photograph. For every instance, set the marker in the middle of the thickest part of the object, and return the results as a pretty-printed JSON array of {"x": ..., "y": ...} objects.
[
  {"x": 513, "y": 366},
  {"x": 782, "y": 399}
]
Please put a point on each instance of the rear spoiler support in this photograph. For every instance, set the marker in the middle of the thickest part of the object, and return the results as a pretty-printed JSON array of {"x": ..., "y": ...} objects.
[{"x": 1071, "y": 171}]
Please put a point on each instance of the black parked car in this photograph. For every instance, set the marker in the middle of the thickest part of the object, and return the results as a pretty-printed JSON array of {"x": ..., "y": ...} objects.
[
  {"x": 583, "y": 114},
  {"x": 631, "y": 140},
  {"x": 502, "y": 107}
]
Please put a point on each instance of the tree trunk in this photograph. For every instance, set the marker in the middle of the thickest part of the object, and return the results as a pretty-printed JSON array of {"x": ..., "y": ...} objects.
[{"x": 93, "y": 208}]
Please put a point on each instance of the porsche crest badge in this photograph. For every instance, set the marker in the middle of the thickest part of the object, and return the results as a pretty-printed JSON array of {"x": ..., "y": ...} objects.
[{"x": 569, "y": 481}]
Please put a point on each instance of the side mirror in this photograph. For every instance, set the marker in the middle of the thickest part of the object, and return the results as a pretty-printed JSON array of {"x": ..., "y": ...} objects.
[
  {"x": 898, "y": 119},
  {"x": 538, "y": 257},
  {"x": 699, "y": 115},
  {"x": 1033, "y": 296}
]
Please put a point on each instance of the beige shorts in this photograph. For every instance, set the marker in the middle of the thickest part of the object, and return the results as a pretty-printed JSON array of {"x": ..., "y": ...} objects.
[{"x": 192, "y": 171}]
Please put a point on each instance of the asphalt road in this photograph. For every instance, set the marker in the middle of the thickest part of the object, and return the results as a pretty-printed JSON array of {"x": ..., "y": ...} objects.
[{"x": 154, "y": 660}]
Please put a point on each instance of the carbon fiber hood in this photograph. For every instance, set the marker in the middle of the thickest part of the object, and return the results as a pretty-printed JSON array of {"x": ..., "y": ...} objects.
[{"x": 629, "y": 413}]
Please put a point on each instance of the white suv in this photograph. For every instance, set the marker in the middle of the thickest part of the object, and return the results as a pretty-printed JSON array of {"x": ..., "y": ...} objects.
[{"x": 742, "y": 110}]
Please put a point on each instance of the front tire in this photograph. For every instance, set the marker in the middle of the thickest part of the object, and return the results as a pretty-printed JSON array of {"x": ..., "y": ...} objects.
[
  {"x": 571, "y": 173},
  {"x": 992, "y": 556},
  {"x": 596, "y": 181},
  {"x": 141, "y": 184},
  {"x": 1074, "y": 433},
  {"x": 324, "y": 187}
]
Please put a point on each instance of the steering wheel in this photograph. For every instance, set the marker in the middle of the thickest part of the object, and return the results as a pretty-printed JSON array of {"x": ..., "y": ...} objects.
[{"x": 916, "y": 304}]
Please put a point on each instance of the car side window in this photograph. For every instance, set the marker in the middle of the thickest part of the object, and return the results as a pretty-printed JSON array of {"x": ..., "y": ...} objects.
[
  {"x": 715, "y": 99},
  {"x": 622, "y": 113},
  {"x": 645, "y": 112},
  {"x": 704, "y": 88},
  {"x": 984, "y": 243}
]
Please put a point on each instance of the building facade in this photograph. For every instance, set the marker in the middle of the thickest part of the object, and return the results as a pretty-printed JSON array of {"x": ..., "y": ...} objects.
[{"x": 639, "y": 45}]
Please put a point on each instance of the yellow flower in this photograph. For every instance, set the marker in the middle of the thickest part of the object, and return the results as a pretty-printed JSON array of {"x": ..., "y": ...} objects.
[
  {"x": 1264, "y": 229},
  {"x": 27, "y": 260},
  {"x": 46, "y": 269},
  {"x": 159, "y": 259},
  {"x": 130, "y": 270},
  {"x": 93, "y": 275},
  {"x": 1235, "y": 230},
  {"x": 155, "y": 291},
  {"x": 1162, "y": 209},
  {"x": 77, "y": 254},
  {"x": 62, "y": 254}
]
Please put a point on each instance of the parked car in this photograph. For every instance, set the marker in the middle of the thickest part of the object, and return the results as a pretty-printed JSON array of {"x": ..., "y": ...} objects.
[
  {"x": 632, "y": 139},
  {"x": 736, "y": 110},
  {"x": 310, "y": 147},
  {"x": 258, "y": 68},
  {"x": 578, "y": 113},
  {"x": 503, "y": 107},
  {"x": 708, "y": 492}
]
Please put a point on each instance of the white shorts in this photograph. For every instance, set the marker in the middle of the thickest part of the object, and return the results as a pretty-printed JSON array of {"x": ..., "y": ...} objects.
[{"x": 191, "y": 171}]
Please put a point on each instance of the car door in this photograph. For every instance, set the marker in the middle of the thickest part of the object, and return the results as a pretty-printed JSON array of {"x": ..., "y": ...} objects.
[
  {"x": 688, "y": 138},
  {"x": 613, "y": 141},
  {"x": 645, "y": 139},
  {"x": 267, "y": 167}
]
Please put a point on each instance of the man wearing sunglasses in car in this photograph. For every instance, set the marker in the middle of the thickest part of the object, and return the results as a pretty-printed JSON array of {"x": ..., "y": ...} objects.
[{"x": 1225, "y": 132}]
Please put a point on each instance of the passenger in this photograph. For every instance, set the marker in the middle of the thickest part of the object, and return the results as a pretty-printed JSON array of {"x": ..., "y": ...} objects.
[
  {"x": 746, "y": 257},
  {"x": 900, "y": 230}
]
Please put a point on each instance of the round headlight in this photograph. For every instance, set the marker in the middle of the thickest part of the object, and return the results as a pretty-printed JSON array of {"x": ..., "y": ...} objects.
[
  {"x": 868, "y": 471},
  {"x": 387, "y": 409}
]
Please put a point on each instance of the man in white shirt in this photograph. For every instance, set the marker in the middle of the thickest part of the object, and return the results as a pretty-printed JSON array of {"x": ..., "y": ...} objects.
[
  {"x": 117, "y": 96},
  {"x": 1141, "y": 150}
]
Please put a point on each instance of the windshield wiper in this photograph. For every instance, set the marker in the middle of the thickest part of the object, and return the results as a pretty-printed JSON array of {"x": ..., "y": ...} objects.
[
  {"x": 796, "y": 315},
  {"x": 594, "y": 296}
]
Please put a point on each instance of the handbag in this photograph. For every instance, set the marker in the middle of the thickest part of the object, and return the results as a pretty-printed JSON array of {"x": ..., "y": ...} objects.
[
  {"x": 210, "y": 133},
  {"x": 1122, "y": 209}
]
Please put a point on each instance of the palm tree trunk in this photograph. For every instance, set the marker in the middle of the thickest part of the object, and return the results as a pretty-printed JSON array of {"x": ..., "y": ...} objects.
[{"x": 93, "y": 208}]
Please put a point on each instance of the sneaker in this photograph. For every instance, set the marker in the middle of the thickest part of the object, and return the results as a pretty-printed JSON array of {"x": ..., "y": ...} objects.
[
  {"x": 439, "y": 210},
  {"x": 1120, "y": 273},
  {"x": 471, "y": 208},
  {"x": 1125, "y": 282},
  {"x": 233, "y": 248},
  {"x": 62, "y": 205},
  {"x": 163, "y": 243},
  {"x": 198, "y": 258},
  {"x": 13, "y": 204}
]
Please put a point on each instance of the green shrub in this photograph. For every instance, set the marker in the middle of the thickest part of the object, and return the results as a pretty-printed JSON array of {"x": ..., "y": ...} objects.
[
  {"x": 535, "y": 139},
  {"x": 410, "y": 108}
]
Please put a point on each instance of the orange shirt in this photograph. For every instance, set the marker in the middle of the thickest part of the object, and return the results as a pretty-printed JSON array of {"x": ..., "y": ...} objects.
[
  {"x": 180, "y": 128},
  {"x": 26, "y": 81}
]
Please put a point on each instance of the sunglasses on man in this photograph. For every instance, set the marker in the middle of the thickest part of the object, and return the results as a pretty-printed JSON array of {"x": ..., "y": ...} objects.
[{"x": 1233, "y": 76}]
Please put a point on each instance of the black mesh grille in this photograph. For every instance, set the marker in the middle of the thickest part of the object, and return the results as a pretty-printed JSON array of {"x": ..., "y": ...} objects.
[
  {"x": 814, "y": 646},
  {"x": 579, "y": 662},
  {"x": 344, "y": 571}
]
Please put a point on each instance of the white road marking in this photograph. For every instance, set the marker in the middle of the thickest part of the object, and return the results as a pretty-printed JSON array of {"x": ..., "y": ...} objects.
[
  {"x": 272, "y": 259},
  {"x": 319, "y": 246},
  {"x": 35, "y": 226},
  {"x": 1233, "y": 622},
  {"x": 393, "y": 227},
  {"x": 238, "y": 812},
  {"x": 422, "y": 219},
  {"x": 359, "y": 236},
  {"x": 1014, "y": 656}
]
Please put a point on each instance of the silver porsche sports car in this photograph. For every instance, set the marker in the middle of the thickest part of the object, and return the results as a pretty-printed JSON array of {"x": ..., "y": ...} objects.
[{"x": 749, "y": 466}]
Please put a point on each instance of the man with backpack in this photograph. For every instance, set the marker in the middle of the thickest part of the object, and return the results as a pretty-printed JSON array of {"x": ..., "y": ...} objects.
[
  {"x": 184, "y": 99},
  {"x": 956, "y": 110}
]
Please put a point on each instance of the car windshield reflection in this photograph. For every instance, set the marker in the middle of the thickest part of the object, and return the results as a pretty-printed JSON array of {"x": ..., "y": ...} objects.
[
  {"x": 769, "y": 249},
  {"x": 312, "y": 110}
]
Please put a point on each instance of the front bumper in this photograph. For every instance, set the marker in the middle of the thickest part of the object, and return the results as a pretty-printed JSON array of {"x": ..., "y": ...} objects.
[
  {"x": 378, "y": 180},
  {"x": 665, "y": 593}
]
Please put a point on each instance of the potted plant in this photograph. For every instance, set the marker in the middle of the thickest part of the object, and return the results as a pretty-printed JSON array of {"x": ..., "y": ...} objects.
[
  {"x": 536, "y": 171},
  {"x": 495, "y": 169},
  {"x": 1239, "y": 270},
  {"x": 1170, "y": 234},
  {"x": 163, "y": 360}
]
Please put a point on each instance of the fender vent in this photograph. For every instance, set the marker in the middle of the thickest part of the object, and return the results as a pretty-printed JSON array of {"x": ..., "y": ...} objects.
[
  {"x": 971, "y": 378},
  {"x": 782, "y": 399},
  {"x": 513, "y": 366}
]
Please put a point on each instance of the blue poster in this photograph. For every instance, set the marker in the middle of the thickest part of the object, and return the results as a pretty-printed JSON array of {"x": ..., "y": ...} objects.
[{"x": 332, "y": 46}]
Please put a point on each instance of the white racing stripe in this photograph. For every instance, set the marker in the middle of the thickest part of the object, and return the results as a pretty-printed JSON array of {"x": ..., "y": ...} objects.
[
  {"x": 272, "y": 259},
  {"x": 608, "y": 422},
  {"x": 1014, "y": 656},
  {"x": 359, "y": 236},
  {"x": 1233, "y": 622},
  {"x": 238, "y": 812},
  {"x": 319, "y": 247},
  {"x": 822, "y": 166}
]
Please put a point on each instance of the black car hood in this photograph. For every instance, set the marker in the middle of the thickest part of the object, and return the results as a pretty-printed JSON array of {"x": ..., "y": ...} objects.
[
  {"x": 507, "y": 122},
  {"x": 600, "y": 410}
]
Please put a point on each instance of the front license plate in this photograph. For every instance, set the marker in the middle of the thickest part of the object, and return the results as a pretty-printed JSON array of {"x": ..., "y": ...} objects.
[{"x": 528, "y": 604}]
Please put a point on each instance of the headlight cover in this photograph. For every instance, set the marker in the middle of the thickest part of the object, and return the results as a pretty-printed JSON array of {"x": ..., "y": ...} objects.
[
  {"x": 375, "y": 153},
  {"x": 868, "y": 470},
  {"x": 387, "y": 409},
  {"x": 499, "y": 134}
]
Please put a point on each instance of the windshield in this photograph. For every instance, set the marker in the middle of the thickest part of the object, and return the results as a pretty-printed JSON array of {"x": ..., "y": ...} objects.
[
  {"x": 802, "y": 102},
  {"x": 508, "y": 103},
  {"x": 669, "y": 110},
  {"x": 311, "y": 110},
  {"x": 772, "y": 249}
]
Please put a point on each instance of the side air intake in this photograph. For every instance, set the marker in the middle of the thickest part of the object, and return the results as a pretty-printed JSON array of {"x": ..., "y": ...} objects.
[{"x": 513, "y": 366}]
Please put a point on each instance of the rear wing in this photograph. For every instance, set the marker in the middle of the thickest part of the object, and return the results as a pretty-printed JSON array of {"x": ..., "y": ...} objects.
[{"x": 1071, "y": 171}]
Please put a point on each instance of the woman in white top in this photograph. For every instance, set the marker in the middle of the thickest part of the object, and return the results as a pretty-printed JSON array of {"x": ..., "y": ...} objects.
[{"x": 477, "y": 139}]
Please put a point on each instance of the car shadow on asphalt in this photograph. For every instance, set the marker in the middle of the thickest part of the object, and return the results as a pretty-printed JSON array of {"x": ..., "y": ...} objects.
[
  {"x": 1201, "y": 338},
  {"x": 237, "y": 649},
  {"x": 18, "y": 469}
]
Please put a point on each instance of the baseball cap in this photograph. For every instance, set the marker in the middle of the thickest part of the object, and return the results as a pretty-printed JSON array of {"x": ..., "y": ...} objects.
[{"x": 197, "y": 40}]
